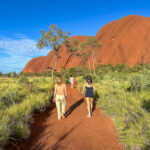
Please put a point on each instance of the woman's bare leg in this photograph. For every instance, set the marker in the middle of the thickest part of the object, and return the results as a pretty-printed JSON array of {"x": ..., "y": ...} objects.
[
  {"x": 88, "y": 106},
  {"x": 91, "y": 105},
  {"x": 91, "y": 101}
]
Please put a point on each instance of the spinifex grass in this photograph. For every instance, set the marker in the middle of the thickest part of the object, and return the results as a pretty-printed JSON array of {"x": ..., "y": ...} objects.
[
  {"x": 125, "y": 98},
  {"x": 16, "y": 117}
]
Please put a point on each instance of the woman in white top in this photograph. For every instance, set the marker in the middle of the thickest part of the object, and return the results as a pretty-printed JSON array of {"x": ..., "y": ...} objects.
[{"x": 60, "y": 95}]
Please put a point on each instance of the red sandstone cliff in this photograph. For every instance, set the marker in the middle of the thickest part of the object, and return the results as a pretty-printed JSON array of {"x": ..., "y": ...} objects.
[{"x": 124, "y": 41}]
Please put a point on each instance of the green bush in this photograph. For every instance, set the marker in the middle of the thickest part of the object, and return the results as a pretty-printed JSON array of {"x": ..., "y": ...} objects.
[
  {"x": 35, "y": 80},
  {"x": 101, "y": 70},
  {"x": 15, "y": 120},
  {"x": 23, "y": 80},
  {"x": 43, "y": 80},
  {"x": 137, "y": 67},
  {"x": 125, "y": 98},
  {"x": 10, "y": 97},
  {"x": 122, "y": 68},
  {"x": 146, "y": 105},
  {"x": 46, "y": 73},
  {"x": 139, "y": 82},
  {"x": 126, "y": 111}
]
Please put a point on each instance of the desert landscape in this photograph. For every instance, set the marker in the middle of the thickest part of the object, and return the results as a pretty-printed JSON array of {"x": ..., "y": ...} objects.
[
  {"x": 75, "y": 75},
  {"x": 124, "y": 41}
]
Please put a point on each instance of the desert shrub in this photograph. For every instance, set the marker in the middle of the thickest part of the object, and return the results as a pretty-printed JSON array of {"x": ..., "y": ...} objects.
[
  {"x": 94, "y": 78},
  {"x": 14, "y": 74},
  {"x": 23, "y": 80},
  {"x": 122, "y": 68},
  {"x": 139, "y": 82},
  {"x": 28, "y": 85},
  {"x": 77, "y": 71},
  {"x": 125, "y": 110},
  {"x": 35, "y": 80},
  {"x": 65, "y": 75},
  {"x": 146, "y": 105},
  {"x": 129, "y": 110},
  {"x": 10, "y": 97},
  {"x": 145, "y": 71},
  {"x": 1, "y": 74},
  {"x": 5, "y": 129},
  {"x": 21, "y": 130},
  {"x": 101, "y": 70},
  {"x": 80, "y": 81},
  {"x": 145, "y": 100},
  {"x": 30, "y": 74},
  {"x": 43, "y": 80},
  {"x": 105, "y": 68},
  {"x": 137, "y": 67},
  {"x": 15, "y": 120},
  {"x": 146, "y": 66},
  {"x": 74, "y": 71},
  {"x": 8, "y": 74},
  {"x": 46, "y": 73}
]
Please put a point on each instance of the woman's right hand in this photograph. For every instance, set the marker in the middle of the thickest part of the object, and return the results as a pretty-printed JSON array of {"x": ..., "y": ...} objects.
[{"x": 54, "y": 99}]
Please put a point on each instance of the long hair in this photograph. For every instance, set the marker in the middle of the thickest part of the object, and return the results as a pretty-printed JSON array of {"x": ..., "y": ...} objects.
[
  {"x": 89, "y": 79},
  {"x": 59, "y": 80}
]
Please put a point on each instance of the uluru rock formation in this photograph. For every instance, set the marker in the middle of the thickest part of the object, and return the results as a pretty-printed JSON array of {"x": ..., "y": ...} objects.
[{"x": 124, "y": 41}]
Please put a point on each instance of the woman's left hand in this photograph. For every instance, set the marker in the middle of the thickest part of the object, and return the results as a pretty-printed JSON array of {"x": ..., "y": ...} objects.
[{"x": 65, "y": 97}]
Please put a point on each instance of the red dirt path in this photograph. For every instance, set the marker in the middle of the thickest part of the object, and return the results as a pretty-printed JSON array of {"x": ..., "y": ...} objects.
[{"x": 75, "y": 132}]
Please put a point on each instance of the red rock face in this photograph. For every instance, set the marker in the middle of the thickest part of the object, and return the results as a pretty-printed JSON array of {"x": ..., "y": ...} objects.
[
  {"x": 124, "y": 41},
  {"x": 40, "y": 64}
]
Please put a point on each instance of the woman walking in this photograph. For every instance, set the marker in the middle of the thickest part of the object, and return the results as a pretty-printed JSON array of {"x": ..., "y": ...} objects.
[
  {"x": 89, "y": 94},
  {"x": 72, "y": 81},
  {"x": 60, "y": 95}
]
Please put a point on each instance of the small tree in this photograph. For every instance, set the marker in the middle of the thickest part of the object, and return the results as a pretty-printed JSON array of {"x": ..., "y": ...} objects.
[
  {"x": 14, "y": 74},
  {"x": 86, "y": 56},
  {"x": 8, "y": 74},
  {"x": 71, "y": 46},
  {"x": 90, "y": 45},
  {"x": 1, "y": 74},
  {"x": 53, "y": 39}
]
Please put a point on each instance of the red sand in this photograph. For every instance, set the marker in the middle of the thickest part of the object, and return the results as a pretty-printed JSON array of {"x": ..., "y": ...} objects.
[{"x": 75, "y": 132}]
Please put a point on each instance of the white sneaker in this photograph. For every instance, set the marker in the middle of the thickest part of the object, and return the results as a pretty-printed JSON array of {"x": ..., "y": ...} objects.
[{"x": 88, "y": 116}]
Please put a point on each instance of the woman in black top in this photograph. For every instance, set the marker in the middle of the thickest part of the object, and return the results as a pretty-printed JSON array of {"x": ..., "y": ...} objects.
[{"x": 89, "y": 94}]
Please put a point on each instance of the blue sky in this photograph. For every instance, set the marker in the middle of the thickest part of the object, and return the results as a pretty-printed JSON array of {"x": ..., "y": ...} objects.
[{"x": 22, "y": 20}]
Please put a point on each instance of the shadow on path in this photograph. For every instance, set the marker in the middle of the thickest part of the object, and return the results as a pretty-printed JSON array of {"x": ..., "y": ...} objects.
[
  {"x": 58, "y": 143},
  {"x": 73, "y": 107}
]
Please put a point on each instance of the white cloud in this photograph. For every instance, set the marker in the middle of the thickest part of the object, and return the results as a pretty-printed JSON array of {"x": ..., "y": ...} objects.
[
  {"x": 13, "y": 63},
  {"x": 16, "y": 52}
]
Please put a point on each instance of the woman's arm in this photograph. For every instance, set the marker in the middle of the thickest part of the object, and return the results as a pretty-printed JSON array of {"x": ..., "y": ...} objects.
[
  {"x": 55, "y": 91},
  {"x": 94, "y": 87},
  {"x": 65, "y": 90}
]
